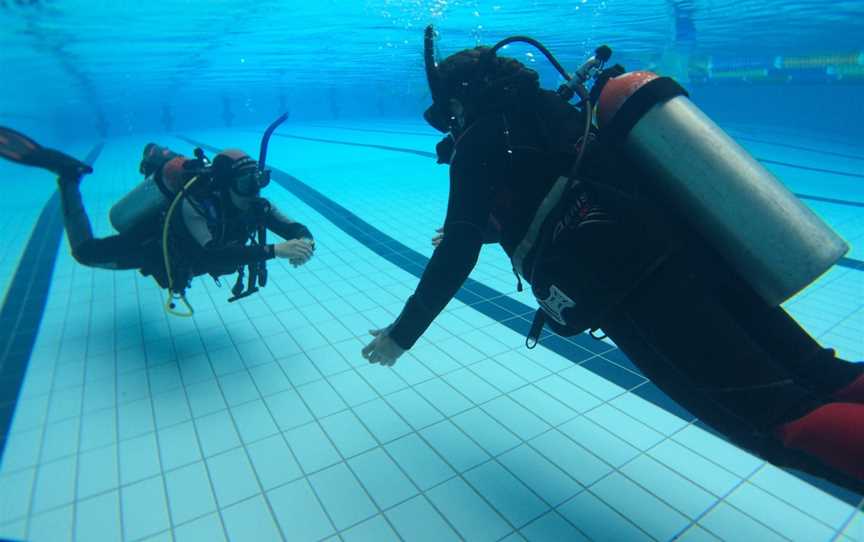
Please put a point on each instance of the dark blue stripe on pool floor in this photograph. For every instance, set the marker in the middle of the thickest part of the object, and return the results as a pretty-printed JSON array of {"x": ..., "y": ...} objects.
[
  {"x": 844, "y": 262},
  {"x": 24, "y": 305},
  {"x": 799, "y": 147},
  {"x": 832, "y": 200},
  {"x": 596, "y": 356},
  {"x": 851, "y": 263},
  {"x": 407, "y": 150},
  {"x": 423, "y": 153},
  {"x": 353, "y": 144},
  {"x": 809, "y": 168},
  {"x": 376, "y": 130}
]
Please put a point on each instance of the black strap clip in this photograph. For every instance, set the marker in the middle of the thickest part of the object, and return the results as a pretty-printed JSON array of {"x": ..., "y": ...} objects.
[
  {"x": 536, "y": 329},
  {"x": 257, "y": 270}
]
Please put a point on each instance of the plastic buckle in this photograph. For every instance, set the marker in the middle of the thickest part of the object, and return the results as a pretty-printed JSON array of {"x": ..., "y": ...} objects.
[{"x": 536, "y": 329}]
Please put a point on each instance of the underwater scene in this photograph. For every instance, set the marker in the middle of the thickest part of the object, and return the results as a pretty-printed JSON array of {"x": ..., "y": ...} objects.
[{"x": 428, "y": 270}]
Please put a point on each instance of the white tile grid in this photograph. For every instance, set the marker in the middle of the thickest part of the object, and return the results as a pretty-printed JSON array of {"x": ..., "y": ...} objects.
[{"x": 358, "y": 261}]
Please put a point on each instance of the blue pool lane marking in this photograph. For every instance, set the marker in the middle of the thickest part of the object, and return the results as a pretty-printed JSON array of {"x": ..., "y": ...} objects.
[
  {"x": 799, "y": 147},
  {"x": 353, "y": 144},
  {"x": 763, "y": 160},
  {"x": 426, "y": 154},
  {"x": 24, "y": 304},
  {"x": 808, "y": 168},
  {"x": 377, "y": 130},
  {"x": 835, "y": 201},
  {"x": 850, "y": 263},
  {"x": 596, "y": 356}
]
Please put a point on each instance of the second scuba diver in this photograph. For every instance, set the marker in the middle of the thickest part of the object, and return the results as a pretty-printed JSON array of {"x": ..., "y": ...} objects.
[
  {"x": 189, "y": 217},
  {"x": 690, "y": 289}
]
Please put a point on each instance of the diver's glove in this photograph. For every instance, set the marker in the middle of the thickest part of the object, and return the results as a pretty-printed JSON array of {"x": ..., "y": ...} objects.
[
  {"x": 382, "y": 349},
  {"x": 297, "y": 251}
]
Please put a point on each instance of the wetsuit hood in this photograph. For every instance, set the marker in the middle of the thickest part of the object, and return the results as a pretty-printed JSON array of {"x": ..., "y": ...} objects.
[
  {"x": 480, "y": 80},
  {"x": 235, "y": 170}
]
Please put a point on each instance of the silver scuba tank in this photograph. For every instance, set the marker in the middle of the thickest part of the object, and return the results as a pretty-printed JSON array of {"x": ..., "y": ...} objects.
[
  {"x": 148, "y": 199},
  {"x": 142, "y": 204},
  {"x": 771, "y": 239}
]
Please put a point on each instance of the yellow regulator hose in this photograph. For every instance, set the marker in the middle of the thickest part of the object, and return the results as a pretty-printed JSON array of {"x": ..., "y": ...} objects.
[{"x": 173, "y": 297}]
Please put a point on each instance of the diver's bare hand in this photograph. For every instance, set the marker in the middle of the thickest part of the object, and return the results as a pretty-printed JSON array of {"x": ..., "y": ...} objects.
[
  {"x": 382, "y": 349},
  {"x": 438, "y": 238},
  {"x": 297, "y": 251}
]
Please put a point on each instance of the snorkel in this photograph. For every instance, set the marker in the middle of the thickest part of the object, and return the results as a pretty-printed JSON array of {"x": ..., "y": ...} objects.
[
  {"x": 260, "y": 208},
  {"x": 438, "y": 114},
  {"x": 265, "y": 140}
]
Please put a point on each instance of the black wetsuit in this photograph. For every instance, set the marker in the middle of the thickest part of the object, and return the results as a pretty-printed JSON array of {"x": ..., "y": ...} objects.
[
  {"x": 674, "y": 307},
  {"x": 218, "y": 250}
]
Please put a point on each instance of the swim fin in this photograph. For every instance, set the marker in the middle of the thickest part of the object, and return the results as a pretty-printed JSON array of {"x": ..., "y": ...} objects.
[{"x": 19, "y": 148}]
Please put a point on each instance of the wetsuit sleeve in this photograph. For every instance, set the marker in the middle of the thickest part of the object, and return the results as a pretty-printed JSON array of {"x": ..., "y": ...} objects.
[
  {"x": 284, "y": 227},
  {"x": 236, "y": 255},
  {"x": 468, "y": 209},
  {"x": 216, "y": 256}
]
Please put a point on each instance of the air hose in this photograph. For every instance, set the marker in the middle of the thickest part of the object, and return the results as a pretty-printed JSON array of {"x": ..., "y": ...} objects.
[
  {"x": 589, "y": 114},
  {"x": 174, "y": 296},
  {"x": 574, "y": 83}
]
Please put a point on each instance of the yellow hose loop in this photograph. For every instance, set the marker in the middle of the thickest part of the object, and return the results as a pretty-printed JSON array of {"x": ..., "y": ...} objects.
[
  {"x": 171, "y": 303},
  {"x": 172, "y": 295}
]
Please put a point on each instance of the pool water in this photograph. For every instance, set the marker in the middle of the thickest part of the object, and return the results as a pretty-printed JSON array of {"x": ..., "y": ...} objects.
[{"x": 259, "y": 420}]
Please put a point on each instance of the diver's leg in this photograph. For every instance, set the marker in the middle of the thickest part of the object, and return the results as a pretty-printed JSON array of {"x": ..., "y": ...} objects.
[
  {"x": 113, "y": 252},
  {"x": 682, "y": 337},
  {"x": 78, "y": 229},
  {"x": 812, "y": 365}
]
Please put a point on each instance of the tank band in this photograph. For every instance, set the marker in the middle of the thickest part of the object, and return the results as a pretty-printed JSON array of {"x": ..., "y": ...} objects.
[
  {"x": 656, "y": 91},
  {"x": 160, "y": 184}
]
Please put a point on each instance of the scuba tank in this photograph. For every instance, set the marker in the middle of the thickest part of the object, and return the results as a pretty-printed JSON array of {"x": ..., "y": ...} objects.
[
  {"x": 761, "y": 229},
  {"x": 772, "y": 240},
  {"x": 144, "y": 204}
]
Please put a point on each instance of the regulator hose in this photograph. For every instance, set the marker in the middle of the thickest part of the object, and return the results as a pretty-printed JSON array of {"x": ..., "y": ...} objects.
[{"x": 173, "y": 296}]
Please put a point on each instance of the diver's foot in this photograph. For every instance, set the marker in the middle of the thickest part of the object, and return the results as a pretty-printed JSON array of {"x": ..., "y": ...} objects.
[
  {"x": 17, "y": 147},
  {"x": 63, "y": 165},
  {"x": 832, "y": 433}
]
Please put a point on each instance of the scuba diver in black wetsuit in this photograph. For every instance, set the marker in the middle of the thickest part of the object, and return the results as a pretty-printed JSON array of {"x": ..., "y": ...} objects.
[
  {"x": 188, "y": 217},
  {"x": 601, "y": 225}
]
